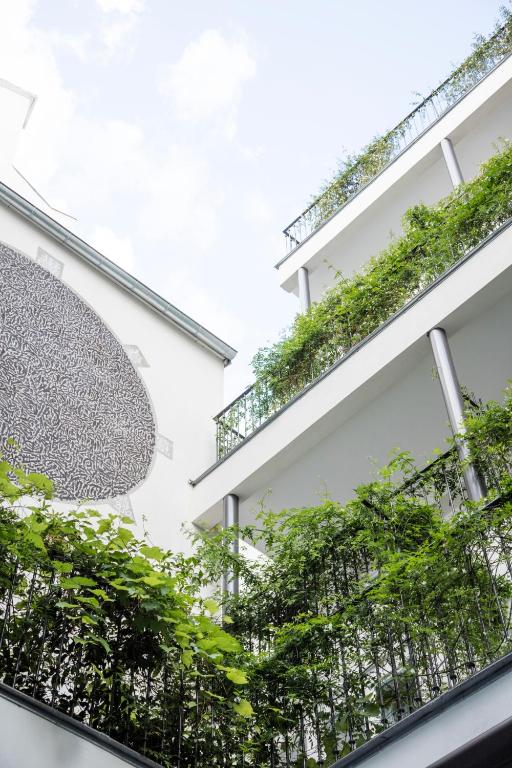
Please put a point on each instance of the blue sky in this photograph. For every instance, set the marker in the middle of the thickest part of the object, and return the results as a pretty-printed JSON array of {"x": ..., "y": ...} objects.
[{"x": 185, "y": 136}]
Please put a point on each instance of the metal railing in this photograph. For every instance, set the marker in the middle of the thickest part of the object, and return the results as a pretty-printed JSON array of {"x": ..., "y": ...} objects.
[
  {"x": 382, "y": 151},
  {"x": 362, "y": 681},
  {"x": 266, "y": 397}
]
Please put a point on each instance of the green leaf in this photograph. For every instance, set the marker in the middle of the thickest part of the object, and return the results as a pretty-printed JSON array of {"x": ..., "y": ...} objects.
[
  {"x": 154, "y": 579},
  {"x": 101, "y": 641},
  {"x": 243, "y": 708},
  {"x": 227, "y": 643},
  {"x": 153, "y": 553},
  {"x": 88, "y": 620},
  {"x": 62, "y": 567},
  {"x": 77, "y": 581},
  {"x": 211, "y": 606},
  {"x": 236, "y": 676}
]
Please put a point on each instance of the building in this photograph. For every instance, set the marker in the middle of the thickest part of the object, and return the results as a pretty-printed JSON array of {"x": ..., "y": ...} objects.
[
  {"x": 399, "y": 386},
  {"x": 332, "y": 426},
  {"x": 120, "y": 383},
  {"x": 381, "y": 394}
]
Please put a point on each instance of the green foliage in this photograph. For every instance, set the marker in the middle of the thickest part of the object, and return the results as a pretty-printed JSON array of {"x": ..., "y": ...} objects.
[
  {"x": 357, "y": 170},
  {"x": 359, "y": 613},
  {"x": 113, "y": 631},
  {"x": 435, "y": 237},
  {"x": 362, "y": 611}
]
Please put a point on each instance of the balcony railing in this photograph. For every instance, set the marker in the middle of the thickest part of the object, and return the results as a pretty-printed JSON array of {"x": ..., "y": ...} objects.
[
  {"x": 381, "y": 152},
  {"x": 362, "y": 679},
  {"x": 259, "y": 402}
]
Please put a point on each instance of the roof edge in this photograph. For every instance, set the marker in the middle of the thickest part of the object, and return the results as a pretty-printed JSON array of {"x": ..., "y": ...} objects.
[
  {"x": 80, "y": 248},
  {"x": 76, "y": 727},
  {"x": 428, "y": 711}
]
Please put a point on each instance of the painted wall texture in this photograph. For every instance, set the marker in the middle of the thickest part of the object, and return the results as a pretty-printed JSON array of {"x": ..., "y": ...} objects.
[{"x": 69, "y": 396}]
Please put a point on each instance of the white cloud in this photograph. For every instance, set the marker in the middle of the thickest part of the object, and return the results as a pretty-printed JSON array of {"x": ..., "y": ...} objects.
[
  {"x": 208, "y": 78},
  {"x": 79, "y": 45},
  {"x": 115, "y": 247},
  {"x": 182, "y": 288},
  {"x": 130, "y": 198},
  {"x": 117, "y": 26},
  {"x": 257, "y": 208},
  {"x": 181, "y": 201},
  {"x": 121, "y": 6}
]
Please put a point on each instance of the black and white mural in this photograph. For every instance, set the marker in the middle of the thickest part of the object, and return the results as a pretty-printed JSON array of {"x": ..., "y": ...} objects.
[{"x": 69, "y": 395}]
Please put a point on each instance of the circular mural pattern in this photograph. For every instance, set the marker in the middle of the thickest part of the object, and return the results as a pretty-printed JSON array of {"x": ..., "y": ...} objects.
[{"x": 69, "y": 395}]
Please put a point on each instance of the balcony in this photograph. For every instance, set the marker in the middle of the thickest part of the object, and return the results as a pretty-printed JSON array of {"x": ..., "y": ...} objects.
[
  {"x": 346, "y": 660},
  {"x": 345, "y": 318},
  {"x": 384, "y": 615},
  {"x": 475, "y": 124},
  {"x": 379, "y": 394},
  {"x": 356, "y": 175}
]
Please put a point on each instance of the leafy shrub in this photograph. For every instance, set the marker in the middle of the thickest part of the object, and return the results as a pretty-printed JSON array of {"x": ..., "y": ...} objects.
[{"x": 435, "y": 238}]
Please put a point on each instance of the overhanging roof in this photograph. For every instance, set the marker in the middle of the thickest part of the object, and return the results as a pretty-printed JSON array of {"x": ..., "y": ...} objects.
[{"x": 83, "y": 250}]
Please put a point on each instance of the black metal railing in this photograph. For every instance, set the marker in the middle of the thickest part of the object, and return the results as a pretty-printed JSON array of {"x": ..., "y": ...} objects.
[
  {"x": 350, "y": 682},
  {"x": 129, "y": 693},
  {"x": 266, "y": 397},
  {"x": 384, "y": 150},
  {"x": 360, "y": 681}
]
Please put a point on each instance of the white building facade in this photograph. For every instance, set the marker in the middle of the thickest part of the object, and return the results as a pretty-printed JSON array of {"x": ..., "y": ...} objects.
[
  {"x": 112, "y": 391},
  {"x": 382, "y": 394},
  {"x": 106, "y": 387}
]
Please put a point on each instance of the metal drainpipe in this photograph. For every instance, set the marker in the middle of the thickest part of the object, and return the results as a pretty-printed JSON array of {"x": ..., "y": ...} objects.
[
  {"x": 230, "y": 584},
  {"x": 455, "y": 407},
  {"x": 452, "y": 163},
  {"x": 304, "y": 295}
]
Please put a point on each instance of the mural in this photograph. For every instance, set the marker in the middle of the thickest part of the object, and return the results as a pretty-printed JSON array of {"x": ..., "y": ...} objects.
[{"x": 69, "y": 395}]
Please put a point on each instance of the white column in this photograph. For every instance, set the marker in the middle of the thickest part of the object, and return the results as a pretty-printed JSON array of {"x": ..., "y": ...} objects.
[
  {"x": 230, "y": 582},
  {"x": 304, "y": 295},
  {"x": 452, "y": 163},
  {"x": 455, "y": 407}
]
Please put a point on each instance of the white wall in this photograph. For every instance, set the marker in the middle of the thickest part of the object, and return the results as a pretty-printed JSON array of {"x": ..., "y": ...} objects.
[
  {"x": 183, "y": 379},
  {"x": 28, "y": 740}
]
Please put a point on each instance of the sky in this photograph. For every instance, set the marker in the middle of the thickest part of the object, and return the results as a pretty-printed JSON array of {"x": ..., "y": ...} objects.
[{"x": 184, "y": 136}]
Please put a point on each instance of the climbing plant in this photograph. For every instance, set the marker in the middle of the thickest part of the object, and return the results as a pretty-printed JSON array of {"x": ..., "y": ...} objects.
[
  {"x": 113, "y": 631},
  {"x": 357, "y": 614},
  {"x": 435, "y": 237},
  {"x": 361, "y": 612},
  {"x": 358, "y": 169}
]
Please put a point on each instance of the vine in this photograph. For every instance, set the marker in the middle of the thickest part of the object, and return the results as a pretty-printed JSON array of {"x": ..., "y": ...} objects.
[{"x": 435, "y": 237}]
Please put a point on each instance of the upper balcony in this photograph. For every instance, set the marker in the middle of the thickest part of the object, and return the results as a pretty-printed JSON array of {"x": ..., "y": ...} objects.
[
  {"x": 380, "y": 394},
  {"x": 354, "y": 217}
]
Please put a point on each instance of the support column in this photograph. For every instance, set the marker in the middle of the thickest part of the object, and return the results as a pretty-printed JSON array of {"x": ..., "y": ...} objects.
[
  {"x": 230, "y": 583},
  {"x": 304, "y": 295},
  {"x": 452, "y": 163},
  {"x": 455, "y": 407}
]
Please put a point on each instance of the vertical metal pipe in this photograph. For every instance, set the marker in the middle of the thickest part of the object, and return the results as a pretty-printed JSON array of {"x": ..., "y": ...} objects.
[
  {"x": 455, "y": 407},
  {"x": 452, "y": 164},
  {"x": 304, "y": 295},
  {"x": 230, "y": 583}
]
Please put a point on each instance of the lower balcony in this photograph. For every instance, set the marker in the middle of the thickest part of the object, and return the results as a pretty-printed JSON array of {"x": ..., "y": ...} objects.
[{"x": 380, "y": 633}]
